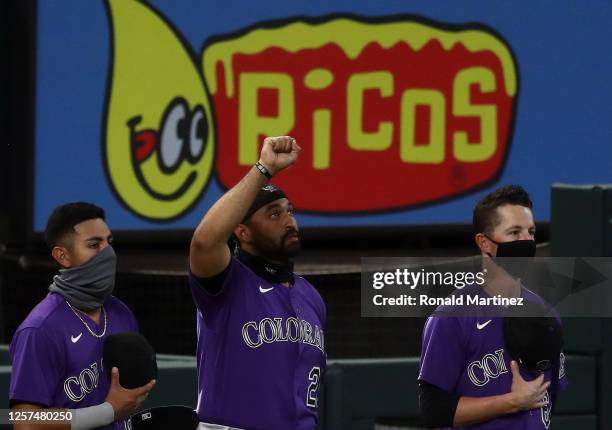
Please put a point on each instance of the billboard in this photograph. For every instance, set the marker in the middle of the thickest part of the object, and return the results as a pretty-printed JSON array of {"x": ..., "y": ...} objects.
[{"x": 406, "y": 113}]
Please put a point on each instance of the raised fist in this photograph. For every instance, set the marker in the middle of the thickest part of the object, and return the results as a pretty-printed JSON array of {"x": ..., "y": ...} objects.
[{"x": 279, "y": 153}]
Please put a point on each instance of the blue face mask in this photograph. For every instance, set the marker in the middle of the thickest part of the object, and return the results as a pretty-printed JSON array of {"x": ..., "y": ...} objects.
[{"x": 89, "y": 285}]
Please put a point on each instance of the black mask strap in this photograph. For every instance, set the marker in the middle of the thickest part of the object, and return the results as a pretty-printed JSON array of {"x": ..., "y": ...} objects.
[
  {"x": 492, "y": 240},
  {"x": 495, "y": 242}
]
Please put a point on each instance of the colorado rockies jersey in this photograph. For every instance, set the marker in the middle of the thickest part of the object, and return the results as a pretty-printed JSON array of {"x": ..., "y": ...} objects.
[
  {"x": 57, "y": 362},
  {"x": 261, "y": 351},
  {"x": 466, "y": 355}
]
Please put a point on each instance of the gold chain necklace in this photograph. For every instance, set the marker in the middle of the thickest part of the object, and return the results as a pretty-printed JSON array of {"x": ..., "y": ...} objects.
[{"x": 99, "y": 336}]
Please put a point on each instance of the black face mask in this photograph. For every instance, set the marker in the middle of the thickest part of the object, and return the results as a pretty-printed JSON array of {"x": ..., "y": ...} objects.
[
  {"x": 514, "y": 256},
  {"x": 271, "y": 272},
  {"x": 515, "y": 248}
]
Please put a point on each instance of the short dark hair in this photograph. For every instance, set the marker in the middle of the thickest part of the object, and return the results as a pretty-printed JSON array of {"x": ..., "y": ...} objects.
[
  {"x": 486, "y": 217},
  {"x": 63, "y": 219}
]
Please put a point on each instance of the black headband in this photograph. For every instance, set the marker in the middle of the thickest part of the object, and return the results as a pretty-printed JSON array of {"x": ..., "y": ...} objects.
[{"x": 267, "y": 194}]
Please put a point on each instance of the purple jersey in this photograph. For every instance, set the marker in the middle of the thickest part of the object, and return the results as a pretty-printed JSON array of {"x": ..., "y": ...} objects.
[
  {"x": 466, "y": 355},
  {"x": 57, "y": 362},
  {"x": 260, "y": 351}
]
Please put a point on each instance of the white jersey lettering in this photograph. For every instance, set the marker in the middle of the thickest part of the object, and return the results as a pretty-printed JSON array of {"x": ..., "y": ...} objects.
[{"x": 270, "y": 330}]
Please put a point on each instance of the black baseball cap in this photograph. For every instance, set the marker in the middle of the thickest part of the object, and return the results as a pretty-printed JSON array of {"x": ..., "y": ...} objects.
[
  {"x": 132, "y": 354},
  {"x": 533, "y": 336}
]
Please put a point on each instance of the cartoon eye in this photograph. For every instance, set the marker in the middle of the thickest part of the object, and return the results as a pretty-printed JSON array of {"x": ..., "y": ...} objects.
[
  {"x": 198, "y": 133},
  {"x": 173, "y": 134}
]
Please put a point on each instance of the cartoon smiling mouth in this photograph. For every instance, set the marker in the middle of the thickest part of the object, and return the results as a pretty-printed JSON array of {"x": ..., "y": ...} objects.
[{"x": 181, "y": 136}]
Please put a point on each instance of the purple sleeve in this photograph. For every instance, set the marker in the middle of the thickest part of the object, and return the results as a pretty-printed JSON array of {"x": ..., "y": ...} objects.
[
  {"x": 443, "y": 353},
  {"x": 128, "y": 319},
  {"x": 134, "y": 323},
  {"x": 36, "y": 368},
  {"x": 209, "y": 305}
]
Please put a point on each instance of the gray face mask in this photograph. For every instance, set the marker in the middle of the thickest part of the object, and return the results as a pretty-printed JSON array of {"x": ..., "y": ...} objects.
[{"x": 88, "y": 286}]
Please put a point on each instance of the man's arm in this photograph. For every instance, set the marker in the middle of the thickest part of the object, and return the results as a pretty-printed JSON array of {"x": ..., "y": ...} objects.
[
  {"x": 209, "y": 254},
  {"x": 32, "y": 407},
  {"x": 524, "y": 395},
  {"x": 123, "y": 403},
  {"x": 442, "y": 409}
]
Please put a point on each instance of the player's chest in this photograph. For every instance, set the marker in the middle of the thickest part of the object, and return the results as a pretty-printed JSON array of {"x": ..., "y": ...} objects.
[
  {"x": 82, "y": 364},
  {"x": 82, "y": 342},
  {"x": 267, "y": 300},
  {"x": 486, "y": 358},
  {"x": 277, "y": 317}
]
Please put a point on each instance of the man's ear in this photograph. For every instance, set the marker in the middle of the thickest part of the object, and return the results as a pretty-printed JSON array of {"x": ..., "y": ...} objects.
[
  {"x": 243, "y": 233},
  {"x": 484, "y": 244},
  {"x": 61, "y": 255}
]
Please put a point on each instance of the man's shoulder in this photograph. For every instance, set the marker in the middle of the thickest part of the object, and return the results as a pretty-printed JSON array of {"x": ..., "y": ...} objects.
[
  {"x": 235, "y": 271},
  {"x": 447, "y": 319},
  {"x": 464, "y": 303},
  {"x": 116, "y": 305},
  {"x": 310, "y": 291},
  {"x": 531, "y": 296},
  {"x": 308, "y": 287},
  {"x": 226, "y": 286},
  {"x": 455, "y": 305},
  {"x": 46, "y": 312}
]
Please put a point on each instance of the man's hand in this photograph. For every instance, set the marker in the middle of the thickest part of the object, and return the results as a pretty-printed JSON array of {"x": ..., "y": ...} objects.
[
  {"x": 209, "y": 254},
  {"x": 524, "y": 395},
  {"x": 278, "y": 153},
  {"x": 527, "y": 394},
  {"x": 124, "y": 401}
]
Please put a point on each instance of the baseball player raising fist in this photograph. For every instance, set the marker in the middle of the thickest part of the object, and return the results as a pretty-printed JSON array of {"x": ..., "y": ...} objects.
[{"x": 261, "y": 347}]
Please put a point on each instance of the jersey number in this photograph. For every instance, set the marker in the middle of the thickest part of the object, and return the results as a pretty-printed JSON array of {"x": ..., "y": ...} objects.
[{"x": 313, "y": 387}]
